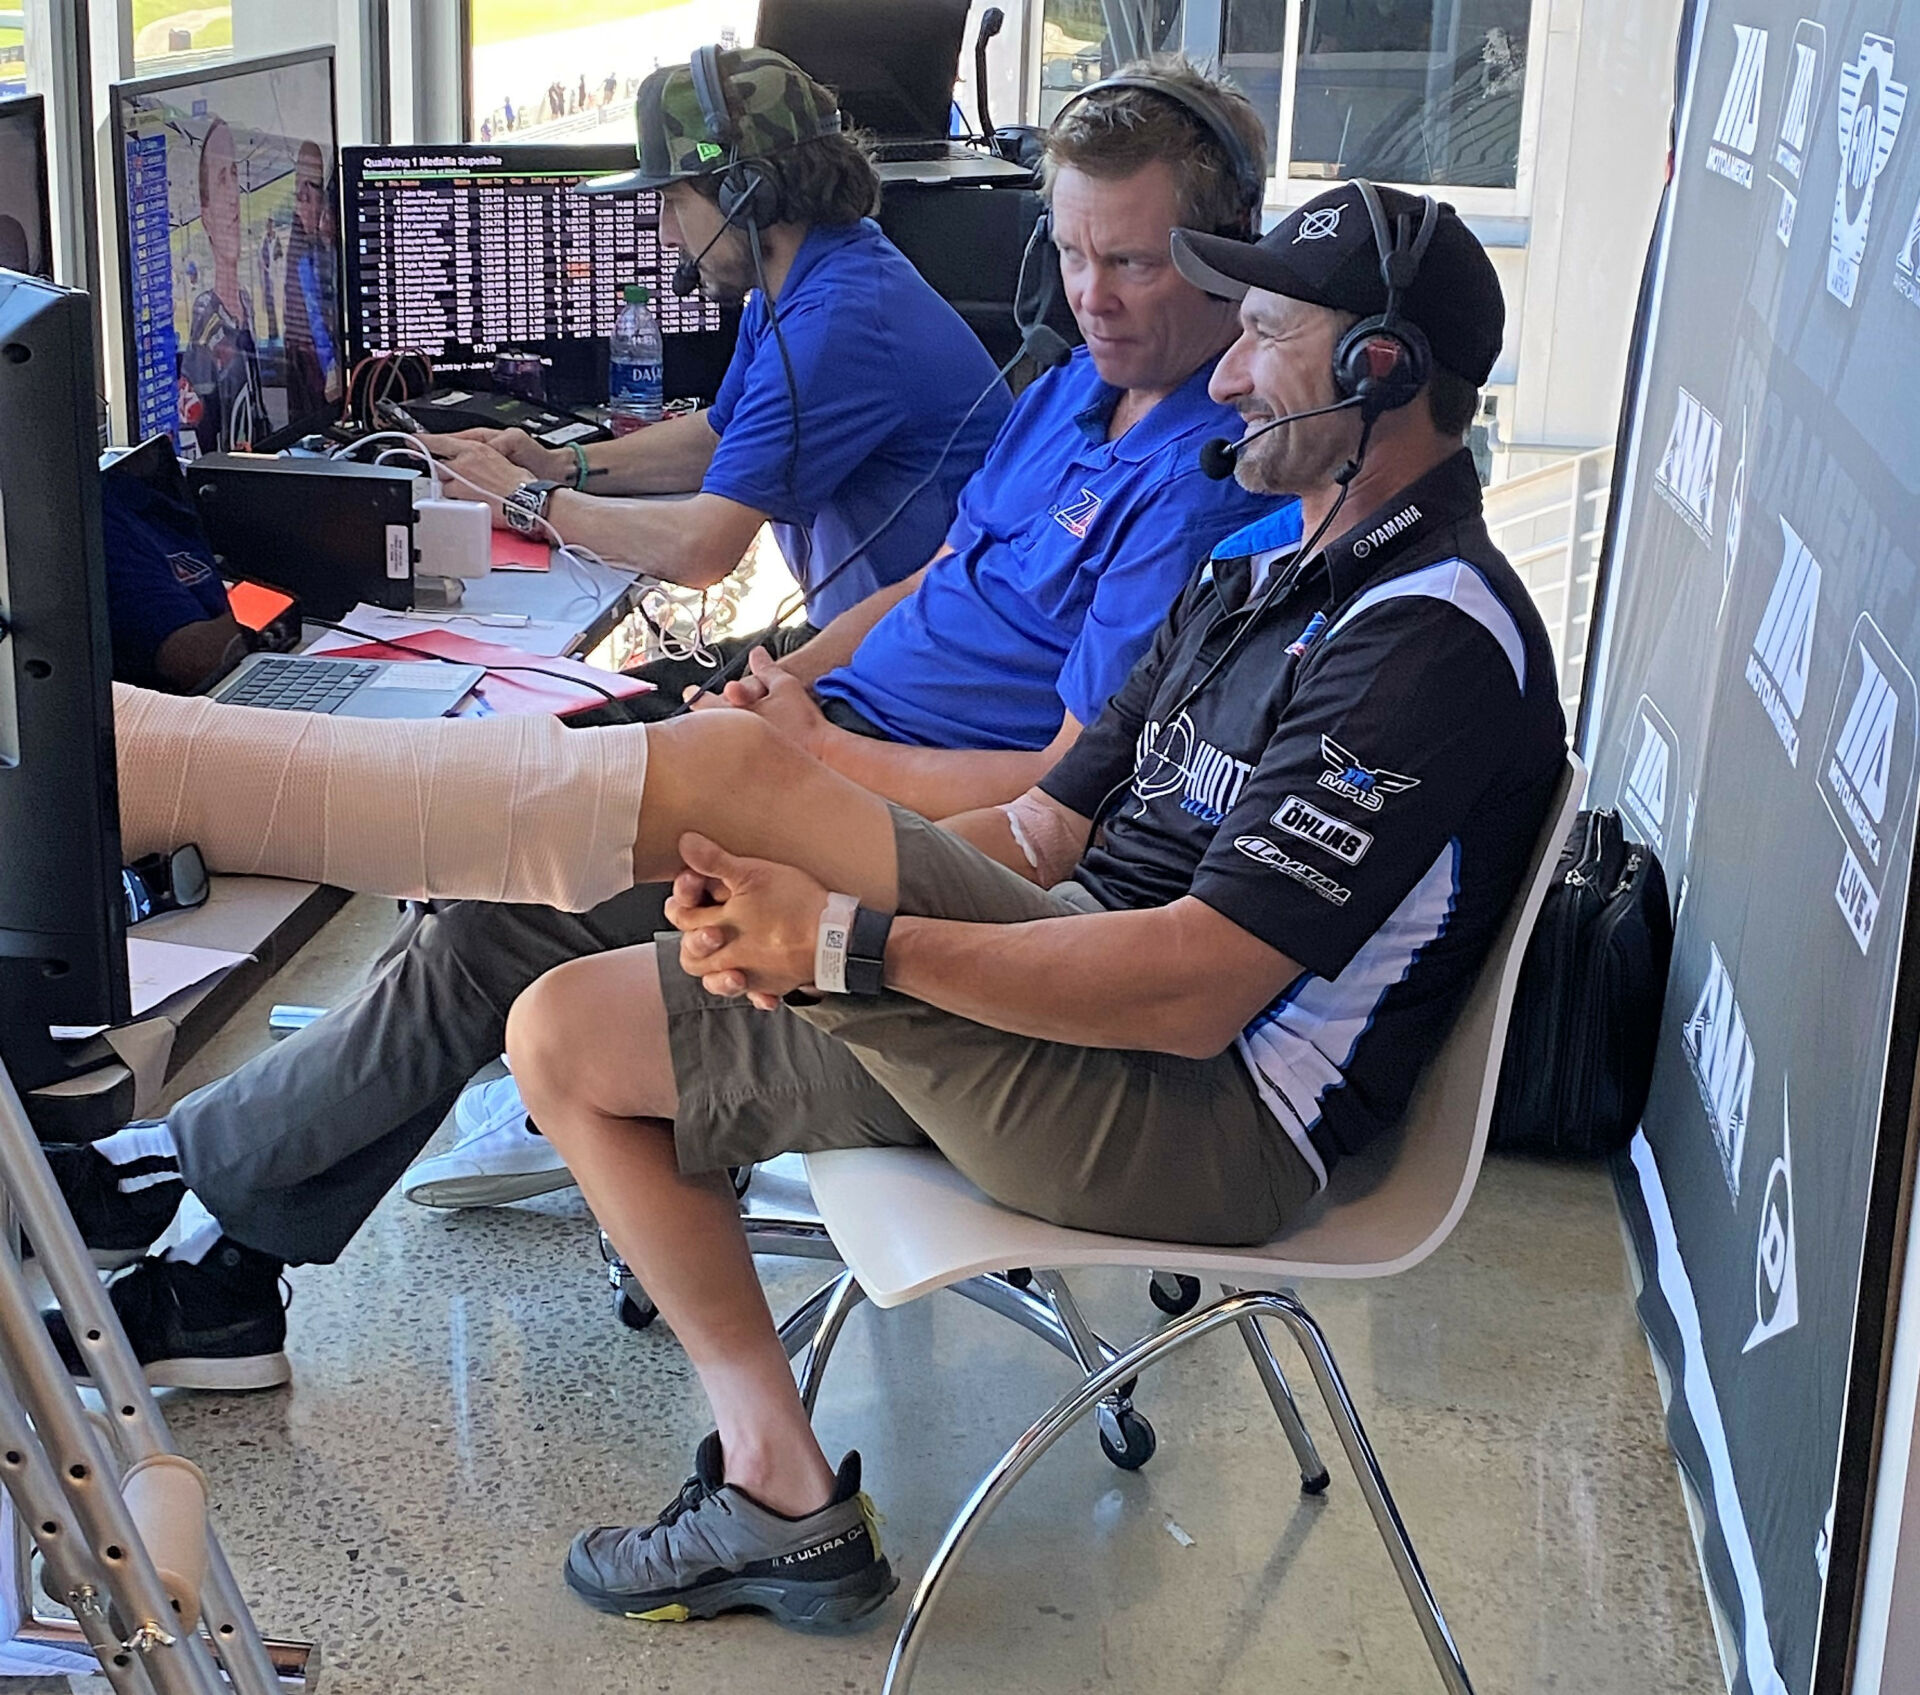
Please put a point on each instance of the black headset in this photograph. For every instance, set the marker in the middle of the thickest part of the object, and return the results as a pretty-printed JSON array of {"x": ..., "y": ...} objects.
[
  {"x": 747, "y": 194},
  {"x": 1384, "y": 361},
  {"x": 1249, "y": 172}
]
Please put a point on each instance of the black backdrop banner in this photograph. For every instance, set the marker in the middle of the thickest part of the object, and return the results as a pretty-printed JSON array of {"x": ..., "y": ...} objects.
[{"x": 1754, "y": 714}]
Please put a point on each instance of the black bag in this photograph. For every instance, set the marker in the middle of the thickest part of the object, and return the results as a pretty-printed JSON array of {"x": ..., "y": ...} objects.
[{"x": 1586, "y": 1013}]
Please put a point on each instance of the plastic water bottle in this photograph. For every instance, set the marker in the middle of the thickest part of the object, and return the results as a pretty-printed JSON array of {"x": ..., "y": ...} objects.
[{"x": 635, "y": 379}]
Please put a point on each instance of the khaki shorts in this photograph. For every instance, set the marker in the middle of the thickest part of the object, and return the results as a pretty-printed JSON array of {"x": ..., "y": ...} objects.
[{"x": 1134, "y": 1144}]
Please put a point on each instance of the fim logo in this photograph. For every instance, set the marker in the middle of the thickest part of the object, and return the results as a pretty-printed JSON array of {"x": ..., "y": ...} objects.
[
  {"x": 1644, "y": 796},
  {"x": 1797, "y": 111},
  {"x": 1871, "y": 104},
  {"x": 1866, "y": 770},
  {"x": 1906, "y": 268},
  {"x": 1776, "y": 1269},
  {"x": 1783, "y": 646},
  {"x": 1690, "y": 467},
  {"x": 1738, "y": 127},
  {"x": 1720, "y": 1054}
]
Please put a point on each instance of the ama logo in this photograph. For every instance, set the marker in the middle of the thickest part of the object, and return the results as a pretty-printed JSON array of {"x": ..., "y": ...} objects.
[
  {"x": 1776, "y": 1267},
  {"x": 1906, "y": 268},
  {"x": 1644, "y": 797},
  {"x": 1690, "y": 468},
  {"x": 1871, "y": 105},
  {"x": 1783, "y": 645},
  {"x": 1076, "y": 516},
  {"x": 1720, "y": 1054},
  {"x": 1737, "y": 128},
  {"x": 1797, "y": 110},
  {"x": 1866, "y": 770}
]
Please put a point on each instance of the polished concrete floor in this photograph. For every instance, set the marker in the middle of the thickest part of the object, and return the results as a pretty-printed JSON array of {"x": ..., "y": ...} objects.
[{"x": 464, "y": 1401}]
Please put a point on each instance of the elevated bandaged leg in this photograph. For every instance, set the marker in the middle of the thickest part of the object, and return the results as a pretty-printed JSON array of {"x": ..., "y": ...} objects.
[{"x": 499, "y": 809}]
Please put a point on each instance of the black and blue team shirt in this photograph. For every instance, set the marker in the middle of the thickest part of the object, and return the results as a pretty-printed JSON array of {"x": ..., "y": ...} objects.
[
  {"x": 884, "y": 371},
  {"x": 1068, "y": 548},
  {"x": 1360, "y": 785}
]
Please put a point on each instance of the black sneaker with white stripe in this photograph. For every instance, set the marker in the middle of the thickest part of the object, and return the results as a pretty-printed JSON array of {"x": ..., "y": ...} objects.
[{"x": 120, "y": 1209}]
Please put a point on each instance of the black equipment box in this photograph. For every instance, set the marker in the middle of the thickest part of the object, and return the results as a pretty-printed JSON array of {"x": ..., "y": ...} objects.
[{"x": 328, "y": 531}]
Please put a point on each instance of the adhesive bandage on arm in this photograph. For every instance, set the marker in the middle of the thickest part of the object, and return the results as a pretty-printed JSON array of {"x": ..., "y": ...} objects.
[
  {"x": 498, "y": 809},
  {"x": 1045, "y": 833}
]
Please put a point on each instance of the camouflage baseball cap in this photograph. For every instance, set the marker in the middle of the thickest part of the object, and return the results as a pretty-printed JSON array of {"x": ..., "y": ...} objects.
[{"x": 776, "y": 105}]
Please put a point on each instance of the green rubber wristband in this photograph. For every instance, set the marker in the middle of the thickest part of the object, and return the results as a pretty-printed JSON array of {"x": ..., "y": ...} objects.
[{"x": 580, "y": 472}]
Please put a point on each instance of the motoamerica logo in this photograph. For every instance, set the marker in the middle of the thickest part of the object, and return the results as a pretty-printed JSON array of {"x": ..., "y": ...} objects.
[
  {"x": 1871, "y": 104},
  {"x": 1644, "y": 796},
  {"x": 1076, "y": 516},
  {"x": 1797, "y": 111},
  {"x": 1690, "y": 467},
  {"x": 1867, "y": 768},
  {"x": 1738, "y": 127},
  {"x": 1720, "y": 1054},
  {"x": 1783, "y": 645},
  {"x": 1776, "y": 1267}
]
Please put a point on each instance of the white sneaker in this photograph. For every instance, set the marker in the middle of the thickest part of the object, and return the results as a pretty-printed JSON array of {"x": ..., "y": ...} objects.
[{"x": 496, "y": 1160}]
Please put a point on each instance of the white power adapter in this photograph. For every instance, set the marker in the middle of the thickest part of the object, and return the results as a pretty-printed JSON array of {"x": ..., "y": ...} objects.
[{"x": 454, "y": 537}]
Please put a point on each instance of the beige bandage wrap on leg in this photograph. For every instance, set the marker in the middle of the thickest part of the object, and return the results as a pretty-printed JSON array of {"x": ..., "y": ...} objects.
[{"x": 499, "y": 809}]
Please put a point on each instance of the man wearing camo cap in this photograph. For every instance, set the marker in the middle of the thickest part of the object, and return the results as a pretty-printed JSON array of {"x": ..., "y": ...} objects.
[{"x": 824, "y": 437}]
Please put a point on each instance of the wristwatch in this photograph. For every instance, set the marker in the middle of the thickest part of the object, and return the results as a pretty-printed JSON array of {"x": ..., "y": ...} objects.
[{"x": 527, "y": 506}]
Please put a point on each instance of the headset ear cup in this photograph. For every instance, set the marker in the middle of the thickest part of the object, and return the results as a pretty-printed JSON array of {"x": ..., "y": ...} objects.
[
  {"x": 1384, "y": 364},
  {"x": 749, "y": 196}
]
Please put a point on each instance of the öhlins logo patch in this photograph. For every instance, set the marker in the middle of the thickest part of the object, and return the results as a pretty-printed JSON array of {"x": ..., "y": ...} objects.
[{"x": 1298, "y": 816}]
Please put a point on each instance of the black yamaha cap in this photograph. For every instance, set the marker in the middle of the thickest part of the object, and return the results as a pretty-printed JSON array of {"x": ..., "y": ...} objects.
[{"x": 1325, "y": 253}]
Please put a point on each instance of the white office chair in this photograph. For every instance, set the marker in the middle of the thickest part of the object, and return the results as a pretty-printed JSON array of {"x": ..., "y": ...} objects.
[{"x": 905, "y": 1223}]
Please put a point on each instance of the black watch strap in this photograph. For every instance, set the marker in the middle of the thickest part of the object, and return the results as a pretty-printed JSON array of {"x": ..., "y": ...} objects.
[{"x": 867, "y": 952}]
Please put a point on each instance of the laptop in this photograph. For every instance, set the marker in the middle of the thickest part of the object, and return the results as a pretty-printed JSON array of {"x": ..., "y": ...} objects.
[
  {"x": 891, "y": 62},
  {"x": 348, "y": 688}
]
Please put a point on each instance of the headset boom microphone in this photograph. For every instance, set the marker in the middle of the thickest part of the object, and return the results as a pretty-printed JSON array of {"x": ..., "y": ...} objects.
[{"x": 1218, "y": 457}]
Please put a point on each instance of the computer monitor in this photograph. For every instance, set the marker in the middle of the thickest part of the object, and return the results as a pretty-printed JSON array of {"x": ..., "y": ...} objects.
[
  {"x": 891, "y": 62},
  {"x": 62, "y": 941},
  {"x": 26, "y": 220},
  {"x": 229, "y": 250},
  {"x": 463, "y": 253}
]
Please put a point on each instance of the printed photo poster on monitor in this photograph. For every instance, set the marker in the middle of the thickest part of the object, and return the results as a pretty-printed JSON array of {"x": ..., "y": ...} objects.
[
  {"x": 1754, "y": 716},
  {"x": 233, "y": 243}
]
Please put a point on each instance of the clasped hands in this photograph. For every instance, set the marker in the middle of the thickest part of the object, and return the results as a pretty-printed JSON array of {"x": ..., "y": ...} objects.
[{"x": 747, "y": 926}]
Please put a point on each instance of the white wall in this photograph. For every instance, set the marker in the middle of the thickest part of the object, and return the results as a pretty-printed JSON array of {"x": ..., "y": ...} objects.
[{"x": 1600, "y": 160}]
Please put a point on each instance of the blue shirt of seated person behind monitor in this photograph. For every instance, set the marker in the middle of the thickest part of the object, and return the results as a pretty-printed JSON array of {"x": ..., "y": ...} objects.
[
  {"x": 1068, "y": 551},
  {"x": 885, "y": 370}
]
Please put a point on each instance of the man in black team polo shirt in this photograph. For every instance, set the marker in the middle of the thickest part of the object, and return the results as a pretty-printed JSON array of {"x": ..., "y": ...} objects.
[{"x": 1164, "y": 992}]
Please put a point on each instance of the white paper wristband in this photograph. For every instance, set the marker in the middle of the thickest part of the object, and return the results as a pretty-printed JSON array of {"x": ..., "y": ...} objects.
[{"x": 830, "y": 949}]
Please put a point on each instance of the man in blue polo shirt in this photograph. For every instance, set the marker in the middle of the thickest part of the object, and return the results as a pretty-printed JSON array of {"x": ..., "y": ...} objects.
[
  {"x": 854, "y": 389},
  {"x": 1068, "y": 549}
]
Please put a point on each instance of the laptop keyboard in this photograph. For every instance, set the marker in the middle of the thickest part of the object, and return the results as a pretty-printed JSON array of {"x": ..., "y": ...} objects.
[{"x": 301, "y": 685}]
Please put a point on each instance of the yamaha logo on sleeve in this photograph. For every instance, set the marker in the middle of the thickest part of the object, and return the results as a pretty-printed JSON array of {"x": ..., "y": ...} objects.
[
  {"x": 1871, "y": 105},
  {"x": 1776, "y": 1259},
  {"x": 1737, "y": 128},
  {"x": 1690, "y": 467},
  {"x": 1866, "y": 770},
  {"x": 1298, "y": 816},
  {"x": 1720, "y": 1055},
  {"x": 1798, "y": 108},
  {"x": 1783, "y": 645},
  {"x": 1645, "y": 796}
]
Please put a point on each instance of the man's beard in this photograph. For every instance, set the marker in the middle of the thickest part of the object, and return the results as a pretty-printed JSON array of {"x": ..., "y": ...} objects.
[{"x": 1293, "y": 459}]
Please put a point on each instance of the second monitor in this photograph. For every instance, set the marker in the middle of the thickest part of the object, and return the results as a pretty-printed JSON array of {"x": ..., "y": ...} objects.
[{"x": 465, "y": 253}]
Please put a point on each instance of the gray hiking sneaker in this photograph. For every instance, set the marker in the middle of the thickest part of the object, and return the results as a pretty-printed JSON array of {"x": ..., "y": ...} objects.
[{"x": 717, "y": 1550}]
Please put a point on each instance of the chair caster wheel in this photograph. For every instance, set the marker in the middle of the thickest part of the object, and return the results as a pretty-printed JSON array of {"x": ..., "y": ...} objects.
[
  {"x": 633, "y": 1310},
  {"x": 1316, "y": 1485},
  {"x": 1174, "y": 1295},
  {"x": 1127, "y": 1438},
  {"x": 1019, "y": 1276}
]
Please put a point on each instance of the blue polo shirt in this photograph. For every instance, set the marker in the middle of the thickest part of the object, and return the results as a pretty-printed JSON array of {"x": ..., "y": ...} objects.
[
  {"x": 885, "y": 370},
  {"x": 1068, "y": 551}
]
